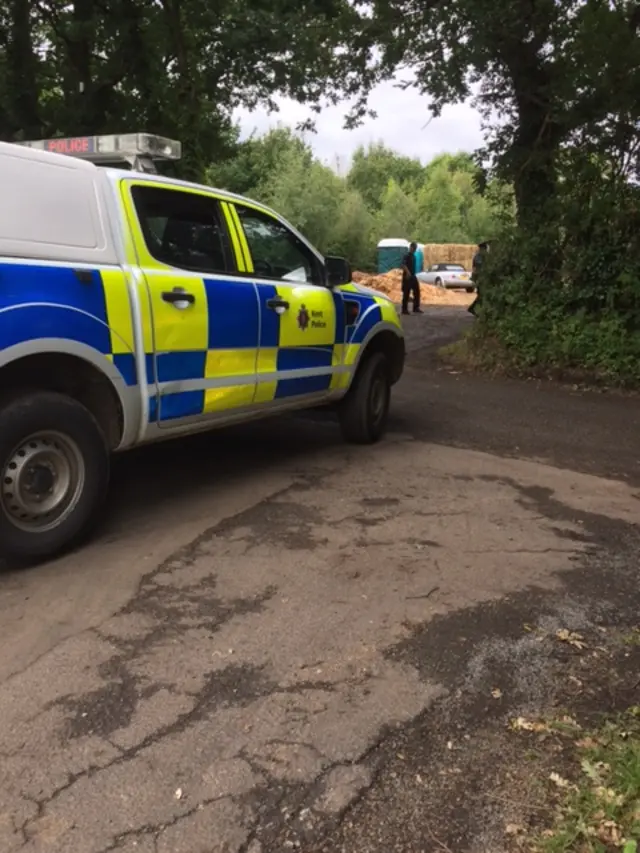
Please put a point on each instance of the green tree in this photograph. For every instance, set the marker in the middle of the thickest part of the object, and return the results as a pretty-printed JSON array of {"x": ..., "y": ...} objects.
[
  {"x": 352, "y": 233},
  {"x": 546, "y": 68},
  {"x": 280, "y": 170},
  {"x": 306, "y": 192},
  {"x": 440, "y": 203},
  {"x": 252, "y": 162},
  {"x": 372, "y": 168},
  {"x": 398, "y": 214},
  {"x": 175, "y": 67}
]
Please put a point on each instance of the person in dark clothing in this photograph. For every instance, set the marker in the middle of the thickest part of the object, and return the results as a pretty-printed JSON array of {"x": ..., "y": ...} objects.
[
  {"x": 410, "y": 284},
  {"x": 476, "y": 274}
]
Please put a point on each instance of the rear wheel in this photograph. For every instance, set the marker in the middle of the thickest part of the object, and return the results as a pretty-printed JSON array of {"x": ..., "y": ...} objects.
[
  {"x": 439, "y": 282},
  {"x": 364, "y": 411},
  {"x": 470, "y": 289},
  {"x": 54, "y": 474}
]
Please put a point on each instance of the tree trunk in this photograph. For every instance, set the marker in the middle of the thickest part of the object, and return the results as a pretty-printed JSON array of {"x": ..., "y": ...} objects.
[
  {"x": 535, "y": 146},
  {"x": 23, "y": 85},
  {"x": 78, "y": 77},
  {"x": 532, "y": 161}
]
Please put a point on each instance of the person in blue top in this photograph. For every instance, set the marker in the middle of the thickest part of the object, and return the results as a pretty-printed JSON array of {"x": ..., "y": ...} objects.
[
  {"x": 410, "y": 284},
  {"x": 419, "y": 256}
]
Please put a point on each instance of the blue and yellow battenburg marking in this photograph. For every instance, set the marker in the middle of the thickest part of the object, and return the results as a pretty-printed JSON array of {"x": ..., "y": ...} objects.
[
  {"x": 241, "y": 337},
  {"x": 232, "y": 335},
  {"x": 51, "y": 301}
]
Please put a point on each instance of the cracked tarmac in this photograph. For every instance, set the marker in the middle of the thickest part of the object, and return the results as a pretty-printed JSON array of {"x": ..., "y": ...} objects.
[{"x": 220, "y": 669}]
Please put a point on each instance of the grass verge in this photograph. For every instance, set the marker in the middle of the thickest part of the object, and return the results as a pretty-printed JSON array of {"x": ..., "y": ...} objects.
[
  {"x": 478, "y": 353},
  {"x": 593, "y": 806}
]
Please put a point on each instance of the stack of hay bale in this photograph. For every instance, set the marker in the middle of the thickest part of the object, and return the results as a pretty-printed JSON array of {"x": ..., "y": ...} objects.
[{"x": 448, "y": 253}]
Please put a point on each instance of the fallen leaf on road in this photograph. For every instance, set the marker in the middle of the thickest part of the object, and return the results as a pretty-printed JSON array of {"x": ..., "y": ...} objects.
[
  {"x": 558, "y": 780},
  {"x": 609, "y": 833},
  {"x": 570, "y": 637},
  {"x": 496, "y": 693},
  {"x": 178, "y": 794},
  {"x": 523, "y": 725},
  {"x": 513, "y": 829}
]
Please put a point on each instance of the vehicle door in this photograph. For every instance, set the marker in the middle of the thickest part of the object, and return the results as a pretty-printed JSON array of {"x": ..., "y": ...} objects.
[
  {"x": 202, "y": 332},
  {"x": 302, "y": 320}
]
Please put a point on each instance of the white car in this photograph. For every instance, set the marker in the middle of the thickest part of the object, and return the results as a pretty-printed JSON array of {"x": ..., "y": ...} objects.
[{"x": 450, "y": 276}]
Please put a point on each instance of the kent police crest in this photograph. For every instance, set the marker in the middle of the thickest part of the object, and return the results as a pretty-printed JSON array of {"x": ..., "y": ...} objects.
[{"x": 303, "y": 318}]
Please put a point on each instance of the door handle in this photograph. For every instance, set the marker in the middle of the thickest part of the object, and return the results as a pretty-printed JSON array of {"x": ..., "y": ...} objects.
[
  {"x": 277, "y": 303},
  {"x": 178, "y": 294}
]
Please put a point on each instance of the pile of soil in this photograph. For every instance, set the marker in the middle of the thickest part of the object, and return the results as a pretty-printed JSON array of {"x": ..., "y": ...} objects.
[{"x": 390, "y": 284}]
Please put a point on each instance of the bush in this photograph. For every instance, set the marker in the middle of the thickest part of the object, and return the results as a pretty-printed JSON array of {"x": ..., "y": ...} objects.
[{"x": 568, "y": 295}]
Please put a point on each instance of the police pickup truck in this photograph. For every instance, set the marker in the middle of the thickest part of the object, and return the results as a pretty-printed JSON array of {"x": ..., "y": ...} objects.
[{"x": 136, "y": 308}]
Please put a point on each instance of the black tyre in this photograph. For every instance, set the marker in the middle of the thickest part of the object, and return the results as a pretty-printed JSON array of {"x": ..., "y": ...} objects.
[
  {"x": 470, "y": 289},
  {"x": 363, "y": 412},
  {"x": 439, "y": 282},
  {"x": 54, "y": 470}
]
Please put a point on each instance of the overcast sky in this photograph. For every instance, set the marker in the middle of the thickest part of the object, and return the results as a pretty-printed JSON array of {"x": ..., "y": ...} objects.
[{"x": 402, "y": 124}]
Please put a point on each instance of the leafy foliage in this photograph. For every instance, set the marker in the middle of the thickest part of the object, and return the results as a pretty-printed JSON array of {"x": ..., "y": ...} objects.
[
  {"x": 176, "y": 67},
  {"x": 557, "y": 82},
  {"x": 545, "y": 69},
  {"x": 600, "y": 810},
  {"x": 589, "y": 318},
  {"x": 439, "y": 202},
  {"x": 373, "y": 168}
]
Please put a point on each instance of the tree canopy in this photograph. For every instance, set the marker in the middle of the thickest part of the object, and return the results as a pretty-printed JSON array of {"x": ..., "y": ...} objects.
[
  {"x": 175, "y": 67},
  {"x": 384, "y": 194},
  {"x": 543, "y": 73}
]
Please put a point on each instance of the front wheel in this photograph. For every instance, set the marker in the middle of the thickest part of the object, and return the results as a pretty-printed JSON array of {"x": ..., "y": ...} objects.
[
  {"x": 364, "y": 411},
  {"x": 54, "y": 464},
  {"x": 470, "y": 289}
]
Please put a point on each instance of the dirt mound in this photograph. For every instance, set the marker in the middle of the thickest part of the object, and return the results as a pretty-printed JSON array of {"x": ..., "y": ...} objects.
[{"x": 390, "y": 283}]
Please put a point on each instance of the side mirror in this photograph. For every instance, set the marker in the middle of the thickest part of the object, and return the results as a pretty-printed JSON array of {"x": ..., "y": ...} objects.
[{"x": 338, "y": 271}]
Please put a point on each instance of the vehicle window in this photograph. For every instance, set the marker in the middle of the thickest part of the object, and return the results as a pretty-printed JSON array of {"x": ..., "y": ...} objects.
[
  {"x": 276, "y": 251},
  {"x": 454, "y": 267},
  {"x": 182, "y": 229}
]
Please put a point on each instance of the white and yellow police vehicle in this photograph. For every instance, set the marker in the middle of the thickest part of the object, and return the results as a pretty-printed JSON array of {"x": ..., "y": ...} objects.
[{"x": 135, "y": 308}]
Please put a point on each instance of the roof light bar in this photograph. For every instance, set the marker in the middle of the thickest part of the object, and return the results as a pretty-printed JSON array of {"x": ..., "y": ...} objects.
[{"x": 139, "y": 150}]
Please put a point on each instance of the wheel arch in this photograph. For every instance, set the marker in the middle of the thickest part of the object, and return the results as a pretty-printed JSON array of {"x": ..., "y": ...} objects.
[
  {"x": 387, "y": 339},
  {"x": 82, "y": 373}
]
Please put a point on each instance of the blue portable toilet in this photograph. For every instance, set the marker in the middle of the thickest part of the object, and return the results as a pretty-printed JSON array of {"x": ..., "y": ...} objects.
[{"x": 390, "y": 253}]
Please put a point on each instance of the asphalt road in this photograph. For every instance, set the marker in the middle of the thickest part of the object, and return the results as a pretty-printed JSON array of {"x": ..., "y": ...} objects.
[{"x": 264, "y": 610}]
